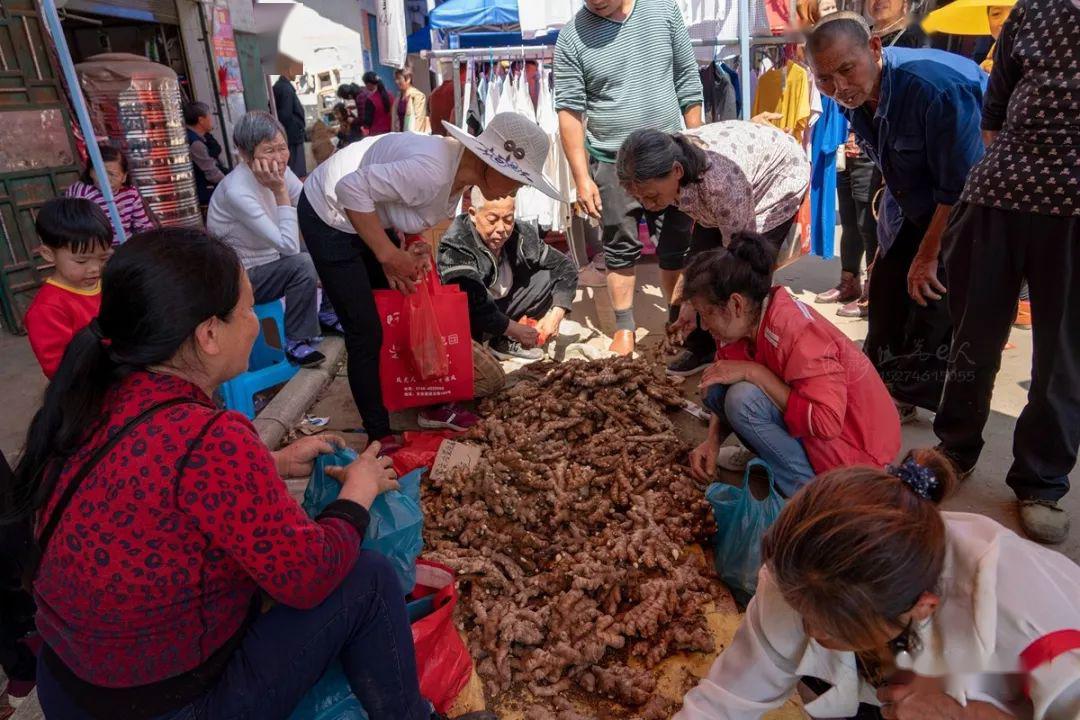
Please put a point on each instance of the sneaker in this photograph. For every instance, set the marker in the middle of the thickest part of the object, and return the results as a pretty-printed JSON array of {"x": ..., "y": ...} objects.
[
  {"x": 1043, "y": 521},
  {"x": 734, "y": 457},
  {"x": 857, "y": 309},
  {"x": 506, "y": 349},
  {"x": 446, "y": 417},
  {"x": 689, "y": 362},
  {"x": 908, "y": 413},
  {"x": 963, "y": 470},
  {"x": 329, "y": 321},
  {"x": 390, "y": 444},
  {"x": 300, "y": 352},
  {"x": 847, "y": 290}
]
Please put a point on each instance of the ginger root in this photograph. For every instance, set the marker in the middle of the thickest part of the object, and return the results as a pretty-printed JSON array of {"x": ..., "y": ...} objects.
[{"x": 570, "y": 537}]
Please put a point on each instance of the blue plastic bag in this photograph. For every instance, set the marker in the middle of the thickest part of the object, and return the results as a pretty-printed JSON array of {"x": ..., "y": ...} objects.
[
  {"x": 397, "y": 522},
  {"x": 396, "y": 531},
  {"x": 330, "y": 699},
  {"x": 741, "y": 522}
]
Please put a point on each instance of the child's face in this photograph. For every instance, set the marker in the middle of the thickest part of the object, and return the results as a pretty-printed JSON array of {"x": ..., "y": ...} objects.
[
  {"x": 115, "y": 171},
  {"x": 78, "y": 270}
]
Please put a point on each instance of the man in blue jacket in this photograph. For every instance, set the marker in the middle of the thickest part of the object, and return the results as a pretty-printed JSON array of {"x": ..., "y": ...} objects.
[{"x": 916, "y": 114}]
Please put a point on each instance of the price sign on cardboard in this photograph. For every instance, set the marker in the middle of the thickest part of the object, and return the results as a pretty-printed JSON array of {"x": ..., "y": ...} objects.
[{"x": 451, "y": 455}]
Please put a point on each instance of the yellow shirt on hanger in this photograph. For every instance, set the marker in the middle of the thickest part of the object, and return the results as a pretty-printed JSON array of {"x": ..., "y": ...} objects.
[{"x": 787, "y": 96}]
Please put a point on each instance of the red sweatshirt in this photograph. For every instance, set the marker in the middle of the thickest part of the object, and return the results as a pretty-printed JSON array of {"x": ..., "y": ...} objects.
[
  {"x": 838, "y": 405},
  {"x": 55, "y": 315},
  {"x": 151, "y": 570}
]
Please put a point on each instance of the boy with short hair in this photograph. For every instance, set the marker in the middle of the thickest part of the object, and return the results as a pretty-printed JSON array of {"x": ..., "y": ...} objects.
[{"x": 76, "y": 237}]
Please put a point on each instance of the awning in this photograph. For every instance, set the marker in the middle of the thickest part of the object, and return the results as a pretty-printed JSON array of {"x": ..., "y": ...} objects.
[
  {"x": 480, "y": 15},
  {"x": 963, "y": 17}
]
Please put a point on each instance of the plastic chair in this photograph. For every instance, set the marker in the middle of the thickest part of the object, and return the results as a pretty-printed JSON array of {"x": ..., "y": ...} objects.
[{"x": 267, "y": 365}]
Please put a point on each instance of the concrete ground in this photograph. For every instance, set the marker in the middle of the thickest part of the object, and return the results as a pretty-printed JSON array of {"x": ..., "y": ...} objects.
[{"x": 21, "y": 385}]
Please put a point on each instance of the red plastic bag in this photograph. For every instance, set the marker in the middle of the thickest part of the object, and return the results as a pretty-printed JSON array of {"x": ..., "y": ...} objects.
[
  {"x": 419, "y": 449},
  {"x": 443, "y": 663},
  {"x": 427, "y": 349},
  {"x": 797, "y": 243},
  {"x": 402, "y": 385}
]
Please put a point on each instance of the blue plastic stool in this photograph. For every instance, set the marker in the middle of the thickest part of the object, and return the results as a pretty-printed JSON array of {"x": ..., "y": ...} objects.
[{"x": 267, "y": 365}]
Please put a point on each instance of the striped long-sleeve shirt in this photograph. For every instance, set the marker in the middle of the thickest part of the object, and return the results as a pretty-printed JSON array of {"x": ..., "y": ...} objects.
[
  {"x": 637, "y": 73},
  {"x": 129, "y": 203}
]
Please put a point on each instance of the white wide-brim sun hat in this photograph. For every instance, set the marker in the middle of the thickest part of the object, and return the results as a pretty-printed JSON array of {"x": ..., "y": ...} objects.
[{"x": 513, "y": 145}]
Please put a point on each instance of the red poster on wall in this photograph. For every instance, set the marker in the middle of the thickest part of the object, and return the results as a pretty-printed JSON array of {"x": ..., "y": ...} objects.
[{"x": 224, "y": 46}]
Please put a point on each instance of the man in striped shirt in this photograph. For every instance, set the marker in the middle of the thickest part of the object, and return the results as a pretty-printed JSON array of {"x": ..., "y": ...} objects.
[{"x": 624, "y": 65}]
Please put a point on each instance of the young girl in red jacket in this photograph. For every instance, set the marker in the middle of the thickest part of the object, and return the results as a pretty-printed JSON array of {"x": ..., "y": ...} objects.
[{"x": 795, "y": 390}]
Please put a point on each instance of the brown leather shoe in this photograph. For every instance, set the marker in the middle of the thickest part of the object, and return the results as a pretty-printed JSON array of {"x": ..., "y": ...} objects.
[
  {"x": 622, "y": 343},
  {"x": 848, "y": 290}
]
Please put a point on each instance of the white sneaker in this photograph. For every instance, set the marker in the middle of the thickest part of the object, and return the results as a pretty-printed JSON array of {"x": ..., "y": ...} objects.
[{"x": 734, "y": 457}]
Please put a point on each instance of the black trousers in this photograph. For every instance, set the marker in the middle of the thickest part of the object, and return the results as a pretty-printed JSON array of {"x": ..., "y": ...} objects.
[
  {"x": 533, "y": 299},
  {"x": 858, "y": 227},
  {"x": 16, "y": 605},
  {"x": 988, "y": 253},
  {"x": 350, "y": 272},
  {"x": 907, "y": 343},
  {"x": 700, "y": 341}
]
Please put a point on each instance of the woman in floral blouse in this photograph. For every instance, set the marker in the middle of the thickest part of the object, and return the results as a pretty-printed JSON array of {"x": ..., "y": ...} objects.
[{"x": 730, "y": 177}]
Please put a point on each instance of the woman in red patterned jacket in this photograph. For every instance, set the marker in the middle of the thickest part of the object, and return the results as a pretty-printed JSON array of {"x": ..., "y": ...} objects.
[{"x": 162, "y": 522}]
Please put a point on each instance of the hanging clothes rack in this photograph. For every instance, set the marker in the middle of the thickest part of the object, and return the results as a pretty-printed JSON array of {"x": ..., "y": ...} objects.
[{"x": 545, "y": 52}]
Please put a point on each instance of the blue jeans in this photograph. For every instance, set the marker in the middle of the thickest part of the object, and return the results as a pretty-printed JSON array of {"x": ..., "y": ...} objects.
[
  {"x": 286, "y": 650},
  {"x": 760, "y": 426}
]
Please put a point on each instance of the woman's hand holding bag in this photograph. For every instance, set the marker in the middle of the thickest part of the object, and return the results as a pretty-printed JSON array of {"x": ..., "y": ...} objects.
[{"x": 365, "y": 478}]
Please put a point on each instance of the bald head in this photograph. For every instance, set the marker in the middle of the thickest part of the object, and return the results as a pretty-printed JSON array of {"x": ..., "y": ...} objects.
[{"x": 845, "y": 58}]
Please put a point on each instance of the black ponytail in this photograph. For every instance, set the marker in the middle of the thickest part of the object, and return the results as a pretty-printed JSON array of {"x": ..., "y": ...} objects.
[
  {"x": 155, "y": 291},
  {"x": 745, "y": 267},
  {"x": 370, "y": 78}
]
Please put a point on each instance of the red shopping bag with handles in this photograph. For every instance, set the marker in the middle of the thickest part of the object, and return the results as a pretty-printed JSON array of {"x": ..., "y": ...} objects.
[
  {"x": 401, "y": 381},
  {"x": 443, "y": 663},
  {"x": 427, "y": 348}
]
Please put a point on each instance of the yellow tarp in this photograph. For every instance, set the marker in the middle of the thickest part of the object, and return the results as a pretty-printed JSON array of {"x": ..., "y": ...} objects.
[{"x": 963, "y": 17}]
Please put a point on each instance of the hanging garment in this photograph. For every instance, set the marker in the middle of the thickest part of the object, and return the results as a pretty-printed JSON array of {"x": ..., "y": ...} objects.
[
  {"x": 532, "y": 205},
  {"x": 785, "y": 91},
  {"x": 720, "y": 101},
  {"x": 494, "y": 93},
  {"x": 557, "y": 167},
  {"x": 506, "y": 94},
  {"x": 391, "y": 33},
  {"x": 736, "y": 84},
  {"x": 540, "y": 18},
  {"x": 523, "y": 102},
  {"x": 829, "y": 133}
]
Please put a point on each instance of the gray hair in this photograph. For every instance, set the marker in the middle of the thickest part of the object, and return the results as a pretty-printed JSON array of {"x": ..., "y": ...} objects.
[
  {"x": 648, "y": 154},
  {"x": 476, "y": 197},
  {"x": 833, "y": 26},
  {"x": 257, "y": 126}
]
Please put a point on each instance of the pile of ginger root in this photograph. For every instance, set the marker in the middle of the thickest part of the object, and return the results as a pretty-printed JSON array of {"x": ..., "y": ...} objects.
[{"x": 570, "y": 539}]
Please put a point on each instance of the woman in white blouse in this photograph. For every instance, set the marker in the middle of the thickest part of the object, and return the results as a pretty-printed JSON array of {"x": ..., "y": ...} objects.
[
  {"x": 254, "y": 210},
  {"x": 355, "y": 203},
  {"x": 872, "y": 602}
]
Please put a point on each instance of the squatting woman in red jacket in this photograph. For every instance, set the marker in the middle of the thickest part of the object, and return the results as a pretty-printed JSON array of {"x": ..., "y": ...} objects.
[
  {"x": 797, "y": 392},
  {"x": 163, "y": 521}
]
